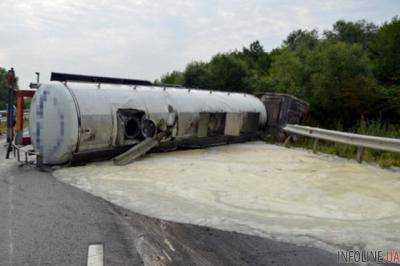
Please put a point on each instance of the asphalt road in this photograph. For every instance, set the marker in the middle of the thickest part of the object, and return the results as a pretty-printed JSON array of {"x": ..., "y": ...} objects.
[{"x": 46, "y": 222}]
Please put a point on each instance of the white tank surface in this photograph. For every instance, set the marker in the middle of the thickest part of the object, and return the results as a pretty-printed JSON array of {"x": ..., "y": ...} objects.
[{"x": 69, "y": 119}]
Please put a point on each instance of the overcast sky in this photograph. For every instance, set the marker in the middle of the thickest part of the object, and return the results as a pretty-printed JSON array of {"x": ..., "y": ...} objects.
[{"x": 144, "y": 39}]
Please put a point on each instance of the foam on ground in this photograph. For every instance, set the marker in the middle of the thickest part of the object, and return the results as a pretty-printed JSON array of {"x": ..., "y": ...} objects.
[{"x": 291, "y": 195}]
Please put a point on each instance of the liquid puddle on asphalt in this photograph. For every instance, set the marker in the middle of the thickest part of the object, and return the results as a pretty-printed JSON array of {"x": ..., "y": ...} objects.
[{"x": 255, "y": 188}]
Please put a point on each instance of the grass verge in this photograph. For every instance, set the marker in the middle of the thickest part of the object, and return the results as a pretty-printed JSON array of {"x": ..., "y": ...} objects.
[{"x": 382, "y": 158}]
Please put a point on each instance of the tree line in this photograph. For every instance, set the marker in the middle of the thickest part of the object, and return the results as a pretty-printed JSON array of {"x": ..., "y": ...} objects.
[{"x": 348, "y": 74}]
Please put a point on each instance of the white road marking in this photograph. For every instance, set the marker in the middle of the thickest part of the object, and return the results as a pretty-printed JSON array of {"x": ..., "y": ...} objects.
[{"x": 95, "y": 255}]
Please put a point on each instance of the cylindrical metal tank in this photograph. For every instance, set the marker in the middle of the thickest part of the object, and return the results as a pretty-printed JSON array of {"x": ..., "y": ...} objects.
[{"x": 69, "y": 119}]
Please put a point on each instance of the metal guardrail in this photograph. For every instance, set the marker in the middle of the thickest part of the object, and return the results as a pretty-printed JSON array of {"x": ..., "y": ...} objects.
[{"x": 361, "y": 141}]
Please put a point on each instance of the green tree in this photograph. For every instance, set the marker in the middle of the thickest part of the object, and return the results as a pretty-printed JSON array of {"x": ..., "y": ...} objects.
[
  {"x": 229, "y": 73},
  {"x": 256, "y": 58},
  {"x": 335, "y": 78},
  {"x": 389, "y": 104},
  {"x": 286, "y": 72},
  {"x": 301, "y": 39},
  {"x": 341, "y": 85},
  {"x": 385, "y": 53},
  {"x": 3, "y": 88},
  {"x": 352, "y": 32},
  {"x": 173, "y": 78},
  {"x": 197, "y": 75}
]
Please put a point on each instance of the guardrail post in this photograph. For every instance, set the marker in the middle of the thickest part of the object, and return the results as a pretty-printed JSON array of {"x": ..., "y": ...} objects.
[
  {"x": 315, "y": 146},
  {"x": 360, "y": 153}
]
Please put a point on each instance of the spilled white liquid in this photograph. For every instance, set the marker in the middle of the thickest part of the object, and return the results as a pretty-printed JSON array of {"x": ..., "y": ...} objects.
[{"x": 291, "y": 195}]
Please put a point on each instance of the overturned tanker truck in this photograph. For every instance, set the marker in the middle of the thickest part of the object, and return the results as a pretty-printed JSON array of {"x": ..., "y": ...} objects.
[{"x": 78, "y": 117}]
